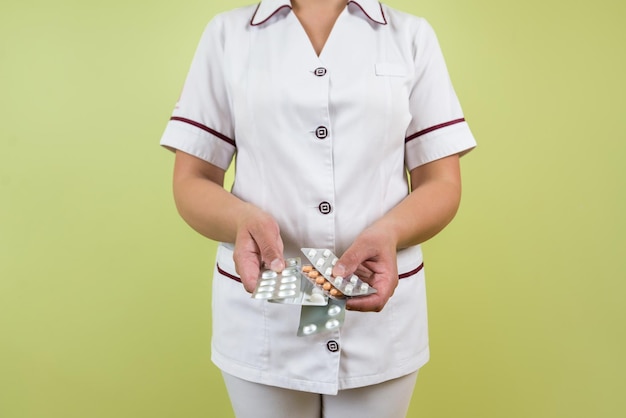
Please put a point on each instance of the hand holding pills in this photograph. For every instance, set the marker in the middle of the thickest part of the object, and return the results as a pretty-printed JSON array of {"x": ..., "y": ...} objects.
[
  {"x": 374, "y": 251},
  {"x": 258, "y": 245},
  {"x": 322, "y": 295}
]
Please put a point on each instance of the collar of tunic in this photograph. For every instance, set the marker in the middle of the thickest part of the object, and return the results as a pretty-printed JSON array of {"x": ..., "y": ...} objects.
[{"x": 372, "y": 10}]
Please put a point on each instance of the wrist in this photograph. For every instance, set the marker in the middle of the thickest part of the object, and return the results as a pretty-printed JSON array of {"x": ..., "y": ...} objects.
[{"x": 385, "y": 230}]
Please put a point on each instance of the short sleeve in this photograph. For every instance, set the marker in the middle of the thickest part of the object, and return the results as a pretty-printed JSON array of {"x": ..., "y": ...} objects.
[
  {"x": 437, "y": 128},
  {"x": 201, "y": 124}
]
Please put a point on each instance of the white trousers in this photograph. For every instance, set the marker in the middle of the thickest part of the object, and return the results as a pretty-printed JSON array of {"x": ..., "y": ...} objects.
[{"x": 384, "y": 400}]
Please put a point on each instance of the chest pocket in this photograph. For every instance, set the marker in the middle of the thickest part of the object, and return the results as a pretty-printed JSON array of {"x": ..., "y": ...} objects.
[{"x": 390, "y": 69}]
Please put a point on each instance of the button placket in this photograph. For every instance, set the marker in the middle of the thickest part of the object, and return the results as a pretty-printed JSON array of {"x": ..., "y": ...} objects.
[{"x": 322, "y": 135}]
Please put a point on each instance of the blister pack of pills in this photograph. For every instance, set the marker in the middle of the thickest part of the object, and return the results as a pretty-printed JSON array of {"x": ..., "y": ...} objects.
[
  {"x": 288, "y": 287},
  {"x": 320, "y": 273},
  {"x": 308, "y": 295},
  {"x": 316, "y": 319},
  {"x": 283, "y": 285}
]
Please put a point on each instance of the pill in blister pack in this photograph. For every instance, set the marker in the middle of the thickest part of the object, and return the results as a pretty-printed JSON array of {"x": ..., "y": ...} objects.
[
  {"x": 288, "y": 287},
  {"x": 309, "y": 295},
  {"x": 320, "y": 272},
  {"x": 283, "y": 285},
  {"x": 316, "y": 319}
]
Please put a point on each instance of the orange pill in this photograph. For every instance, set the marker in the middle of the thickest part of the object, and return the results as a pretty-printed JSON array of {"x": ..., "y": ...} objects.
[
  {"x": 336, "y": 293},
  {"x": 313, "y": 274},
  {"x": 320, "y": 280},
  {"x": 307, "y": 268},
  {"x": 327, "y": 286}
]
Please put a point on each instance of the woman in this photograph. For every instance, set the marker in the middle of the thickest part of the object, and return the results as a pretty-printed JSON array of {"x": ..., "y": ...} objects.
[{"x": 325, "y": 107}]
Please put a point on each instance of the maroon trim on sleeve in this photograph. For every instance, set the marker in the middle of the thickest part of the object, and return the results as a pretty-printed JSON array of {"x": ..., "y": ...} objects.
[
  {"x": 412, "y": 272},
  {"x": 433, "y": 128},
  {"x": 205, "y": 128},
  {"x": 382, "y": 13},
  {"x": 227, "y": 274},
  {"x": 266, "y": 19}
]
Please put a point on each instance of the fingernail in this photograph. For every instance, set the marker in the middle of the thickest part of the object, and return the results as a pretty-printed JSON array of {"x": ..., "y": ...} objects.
[
  {"x": 339, "y": 270},
  {"x": 277, "y": 265}
]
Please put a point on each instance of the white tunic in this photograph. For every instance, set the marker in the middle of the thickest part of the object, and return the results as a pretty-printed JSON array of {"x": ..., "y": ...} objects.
[{"x": 323, "y": 144}]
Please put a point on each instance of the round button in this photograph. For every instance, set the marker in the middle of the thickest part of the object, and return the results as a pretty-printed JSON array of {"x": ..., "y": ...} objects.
[
  {"x": 325, "y": 208},
  {"x": 320, "y": 71},
  {"x": 333, "y": 346},
  {"x": 321, "y": 132}
]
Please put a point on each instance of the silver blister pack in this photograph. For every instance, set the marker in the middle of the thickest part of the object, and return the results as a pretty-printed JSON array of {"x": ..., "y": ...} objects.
[
  {"x": 283, "y": 285},
  {"x": 322, "y": 261},
  {"x": 288, "y": 287},
  {"x": 317, "y": 319},
  {"x": 309, "y": 295}
]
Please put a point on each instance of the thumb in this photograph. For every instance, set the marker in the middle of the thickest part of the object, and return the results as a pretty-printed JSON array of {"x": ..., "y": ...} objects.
[
  {"x": 348, "y": 262},
  {"x": 271, "y": 251}
]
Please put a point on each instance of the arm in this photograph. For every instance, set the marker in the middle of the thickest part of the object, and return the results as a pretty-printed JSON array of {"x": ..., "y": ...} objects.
[
  {"x": 432, "y": 204},
  {"x": 217, "y": 214}
]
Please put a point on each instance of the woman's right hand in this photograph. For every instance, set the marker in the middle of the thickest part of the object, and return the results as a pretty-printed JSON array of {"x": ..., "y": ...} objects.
[
  {"x": 258, "y": 246},
  {"x": 219, "y": 215}
]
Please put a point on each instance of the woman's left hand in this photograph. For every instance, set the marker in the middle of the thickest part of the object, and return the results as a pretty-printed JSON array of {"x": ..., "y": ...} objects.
[{"x": 372, "y": 257}]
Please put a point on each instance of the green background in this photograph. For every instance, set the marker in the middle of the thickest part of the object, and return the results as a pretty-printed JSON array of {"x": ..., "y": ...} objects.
[{"x": 104, "y": 291}]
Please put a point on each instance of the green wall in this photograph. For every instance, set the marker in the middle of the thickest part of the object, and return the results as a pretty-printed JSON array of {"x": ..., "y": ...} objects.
[{"x": 104, "y": 291}]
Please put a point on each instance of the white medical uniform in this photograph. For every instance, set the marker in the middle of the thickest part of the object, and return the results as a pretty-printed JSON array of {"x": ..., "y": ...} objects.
[{"x": 323, "y": 144}]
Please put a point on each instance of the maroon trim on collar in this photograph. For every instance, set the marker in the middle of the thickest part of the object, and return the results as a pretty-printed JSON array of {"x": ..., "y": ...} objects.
[
  {"x": 269, "y": 17},
  {"x": 412, "y": 272},
  {"x": 401, "y": 276},
  {"x": 227, "y": 274},
  {"x": 205, "y": 128},
  {"x": 433, "y": 128},
  {"x": 382, "y": 13}
]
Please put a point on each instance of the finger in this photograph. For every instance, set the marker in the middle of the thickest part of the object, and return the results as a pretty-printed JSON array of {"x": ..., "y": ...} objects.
[
  {"x": 372, "y": 303},
  {"x": 350, "y": 261},
  {"x": 385, "y": 287},
  {"x": 247, "y": 261},
  {"x": 270, "y": 247},
  {"x": 363, "y": 272},
  {"x": 248, "y": 267}
]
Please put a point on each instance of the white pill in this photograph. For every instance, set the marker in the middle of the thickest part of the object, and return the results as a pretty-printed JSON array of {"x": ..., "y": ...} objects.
[
  {"x": 292, "y": 262},
  {"x": 312, "y": 252},
  {"x": 327, "y": 253},
  {"x": 269, "y": 274},
  {"x": 353, "y": 279},
  {"x": 287, "y": 286},
  {"x": 316, "y": 298},
  {"x": 320, "y": 262},
  {"x": 286, "y": 293},
  {"x": 263, "y": 295},
  {"x": 265, "y": 289},
  {"x": 364, "y": 287},
  {"x": 309, "y": 329},
  {"x": 338, "y": 281},
  {"x": 334, "y": 310},
  {"x": 332, "y": 323},
  {"x": 329, "y": 271},
  {"x": 289, "y": 271},
  {"x": 334, "y": 261},
  {"x": 348, "y": 289}
]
